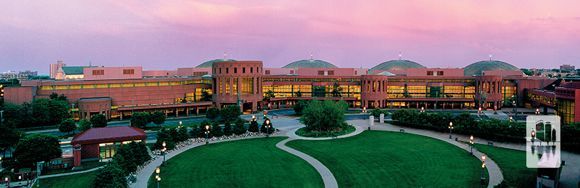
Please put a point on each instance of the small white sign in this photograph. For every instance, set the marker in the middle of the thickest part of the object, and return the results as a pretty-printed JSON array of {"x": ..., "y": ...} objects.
[
  {"x": 371, "y": 120},
  {"x": 543, "y": 141}
]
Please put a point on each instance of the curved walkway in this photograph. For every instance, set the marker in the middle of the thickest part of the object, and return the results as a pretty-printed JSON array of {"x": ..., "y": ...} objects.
[
  {"x": 327, "y": 177},
  {"x": 495, "y": 174}
]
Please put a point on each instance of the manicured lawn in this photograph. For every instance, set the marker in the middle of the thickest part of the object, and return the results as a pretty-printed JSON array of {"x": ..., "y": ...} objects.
[
  {"x": 244, "y": 163},
  {"x": 391, "y": 159},
  {"x": 513, "y": 165},
  {"x": 302, "y": 132},
  {"x": 83, "y": 180}
]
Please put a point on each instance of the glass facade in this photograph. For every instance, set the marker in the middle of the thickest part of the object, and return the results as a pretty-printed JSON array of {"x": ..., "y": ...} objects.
[{"x": 565, "y": 110}]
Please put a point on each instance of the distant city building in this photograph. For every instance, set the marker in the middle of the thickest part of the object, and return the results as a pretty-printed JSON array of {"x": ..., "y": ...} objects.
[
  {"x": 567, "y": 67},
  {"x": 22, "y": 75},
  {"x": 118, "y": 92}
]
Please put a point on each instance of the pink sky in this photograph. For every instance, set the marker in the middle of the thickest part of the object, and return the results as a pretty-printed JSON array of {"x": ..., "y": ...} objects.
[{"x": 169, "y": 34}]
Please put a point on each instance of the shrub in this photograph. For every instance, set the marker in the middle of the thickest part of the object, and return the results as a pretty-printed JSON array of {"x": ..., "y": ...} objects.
[
  {"x": 253, "y": 127},
  {"x": 212, "y": 113},
  {"x": 216, "y": 130},
  {"x": 158, "y": 117},
  {"x": 140, "y": 119},
  {"x": 228, "y": 129},
  {"x": 84, "y": 125},
  {"x": 239, "y": 127},
  {"x": 299, "y": 107},
  {"x": 99, "y": 120},
  {"x": 67, "y": 126},
  {"x": 324, "y": 116},
  {"x": 230, "y": 113},
  {"x": 111, "y": 176}
]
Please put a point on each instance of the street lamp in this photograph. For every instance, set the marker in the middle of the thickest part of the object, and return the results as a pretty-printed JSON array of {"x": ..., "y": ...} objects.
[
  {"x": 268, "y": 126},
  {"x": 471, "y": 144},
  {"x": 533, "y": 136},
  {"x": 157, "y": 176},
  {"x": 163, "y": 151},
  {"x": 1, "y": 116},
  {"x": 482, "y": 169},
  {"x": 7, "y": 181},
  {"x": 206, "y": 134},
  {"x": 180, "y": 124},
  {"x": 511, "y": 119},
  {"x": 422, "y": 109},
  {"x": 479, "y": 111},
  {"x": 450, "y": 129},
  {"x": 537, "y": 111}
]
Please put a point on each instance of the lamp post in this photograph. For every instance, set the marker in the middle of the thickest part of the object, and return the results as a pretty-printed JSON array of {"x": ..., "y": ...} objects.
[
  {"x": 511, "y": 119},
  {"x": 157, "y": 176},
  {"x": 206, "y": 134},
  {"x": 479, "y": 111},
  {"x": 482, "y": 169},
  {"x": 163, "y": 151},
  {"x": 450, "y": 129},
  {"x": 268, "y": 126},
  {"x": 537, "y": 111},
  {"x": 533, "y": 136},
  {"x": 422, "y": 109},
  {"x": 1, "y": 117},
  {"x": 471, "y": 144},
  {"x": 180, "y": 124},
  {"x": 7, "y": 180},
  {"x": 514, "y": 103}
]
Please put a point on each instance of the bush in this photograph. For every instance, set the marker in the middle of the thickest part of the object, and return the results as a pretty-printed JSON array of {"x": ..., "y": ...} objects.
[
  {"x": 212, "y": 113},
  {"x": 253, "y": 127},
  {"x": 269, "y": 130},
  {"x": 158, "y": 117},
  {"x": 228, "y": 129},
  {"x": 84, "y": 125},
  {"x": 216, "y": 130},
  {"x": 230, "y": 113},
  {"x": 299, "y": 107},
  {"x": 239, "y": 129},
  {"x": 99, "y": 120},
  {"x": 140, "y": 119},
  {"x": 67, "y": 126},
  {"x": 377, "y": 112}
]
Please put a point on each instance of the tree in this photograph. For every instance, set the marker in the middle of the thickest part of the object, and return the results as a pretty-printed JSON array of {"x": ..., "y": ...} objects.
[
  {"x": 53, "y": 96},
  {"x": 58, "y": 111},
  {"x": 212, "y": 113},
  {"x": 67, "y": 126},
  {"x": 8, "y": 137},
  {"x": 111, "y": 176},
  {"x": 205, "y": 96},
  {"x": 269, "y": 130},
  {"x": 216, "y": 129},
  {"x": 239, "y": 128},
  {"x": 228, "y": 129},
  {"x": 35, "y": 148},
  {"x": 158, "y": 117},
  {"x": 99, "y": 120},
  {"x": 84, "y": 125},
  {"x": 253, "y": 127},
  {"x": 323, "y": 116},
  {"x": 13, "y": 115},
  {"x": 181, "y": 134},
  {"x": 140, "y": 119},
  {"x": 299, "y": 107},
  {"x": 230, "y": 113},
  {"x": 298, "y": 93},
  {"x": 195, "y": 130}
]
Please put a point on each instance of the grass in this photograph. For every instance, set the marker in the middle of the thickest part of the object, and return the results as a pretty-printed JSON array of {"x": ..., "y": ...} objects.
[
  {"x": 244, "y": 163},
  {"x": 513, "y": 165},
  {"x": 84, "y": 166},
  {"x": 303, "y": 132},
  {"x": 83, "y": 180},
  {"x": 391, "y": 159}
]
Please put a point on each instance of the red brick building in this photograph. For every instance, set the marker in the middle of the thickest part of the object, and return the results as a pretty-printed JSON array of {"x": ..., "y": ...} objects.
[{"x": 102, "y": 143}]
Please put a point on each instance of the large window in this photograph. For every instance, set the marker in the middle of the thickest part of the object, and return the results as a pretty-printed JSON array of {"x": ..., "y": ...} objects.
[
  {"x": 565, "y": 109},
  {"x": 107, "y": 150},
  {"x": 247, "y": 85}
]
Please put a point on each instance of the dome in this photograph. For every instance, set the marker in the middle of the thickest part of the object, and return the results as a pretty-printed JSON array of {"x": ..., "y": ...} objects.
[
  {"x": 477, "y": 68},
  {"x": 208, "y": 64},
  {"x": 311, "y": 63},
  {"x": 395, "y": 65}
]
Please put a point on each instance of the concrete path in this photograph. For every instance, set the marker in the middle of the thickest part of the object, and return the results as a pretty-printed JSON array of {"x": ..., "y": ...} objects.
[
  {"x": 327, "y": 177},
  {"x": 70, "y": 173},
  {"x": 495, "y": 174}
]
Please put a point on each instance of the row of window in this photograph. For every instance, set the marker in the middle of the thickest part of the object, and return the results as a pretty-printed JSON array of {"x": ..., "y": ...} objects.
[{"x": 123, "y": 85}]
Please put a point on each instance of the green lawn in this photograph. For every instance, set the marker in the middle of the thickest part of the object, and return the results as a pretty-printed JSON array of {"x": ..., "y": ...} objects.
[
  {"x": 244, "y": 163},
  {"x": 512, "y": 164},
  {"x": 83, "y": 180},
  {"x": 391, "y": 159}
]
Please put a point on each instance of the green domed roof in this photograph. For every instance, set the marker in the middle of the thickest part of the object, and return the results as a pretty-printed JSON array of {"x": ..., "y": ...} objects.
[
  {"x": 477, "y": 68},
  {"x": 209, "y": 63},
  {"x": 311, "y": 63},
  {"x": 396, "y": 65}
]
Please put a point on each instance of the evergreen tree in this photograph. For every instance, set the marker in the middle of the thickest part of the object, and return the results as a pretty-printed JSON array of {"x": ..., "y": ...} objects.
[{"x": 253, "y": 127}]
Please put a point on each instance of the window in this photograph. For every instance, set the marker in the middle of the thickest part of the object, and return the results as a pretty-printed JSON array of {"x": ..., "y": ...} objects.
[
  {"x": 251, "y": 69},
  {"x": 291, "y": 71},
  {"x": 227, "y": 70},
  {"x": 243, "y": 69},
  {"x": 320, "y": 72},
  {"x": 128, "y": 71},
  {"x": 98, "y": 72},
  {"x": 429, "y": 73},
  {"x": 220, "y": 70},
  {"x": 440, "y": 73},
  {"x": 267, "y": 71},
  {"x": 330, "y": 72},
  {"x": 235, "y": 70},
  {"x": 355, "y": 73}
]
